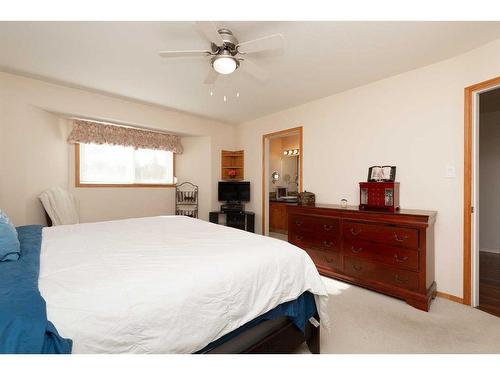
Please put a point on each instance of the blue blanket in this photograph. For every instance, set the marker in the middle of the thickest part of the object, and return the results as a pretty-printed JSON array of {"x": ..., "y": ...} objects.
[{"x": 24, "y": 327}]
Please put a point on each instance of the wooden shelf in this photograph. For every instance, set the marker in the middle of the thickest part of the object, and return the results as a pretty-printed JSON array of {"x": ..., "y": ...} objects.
[{"x": 232, "y": 161}]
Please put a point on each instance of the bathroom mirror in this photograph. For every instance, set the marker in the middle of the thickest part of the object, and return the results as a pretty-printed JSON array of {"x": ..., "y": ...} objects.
[{"x": 290, "y": 170}]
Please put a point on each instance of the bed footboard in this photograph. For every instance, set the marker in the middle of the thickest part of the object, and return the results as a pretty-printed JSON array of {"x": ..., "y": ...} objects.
[{"x": 276, "y": 336}]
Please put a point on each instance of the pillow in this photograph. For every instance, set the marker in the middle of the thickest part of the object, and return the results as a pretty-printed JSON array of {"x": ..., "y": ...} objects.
[{"x": 9, "y": 243}]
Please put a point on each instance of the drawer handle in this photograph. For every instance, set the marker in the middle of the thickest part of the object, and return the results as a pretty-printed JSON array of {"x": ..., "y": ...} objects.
[
  {"x": 400, "y": 239},
  {"x": 298, "y": 223},
  {"x": 327, "y": 243},
  {"x": 400, "y": 280},
  {"x": 355, "y": 232},
  {"x": 356, "y": 251},
  {"x": 327, "y": 227},
  {"x": 329, "y": 260},
  {"x": 356, "y": 267},
  {"x": 300, "y": 238},
  {"x": 400, "y": 259}
]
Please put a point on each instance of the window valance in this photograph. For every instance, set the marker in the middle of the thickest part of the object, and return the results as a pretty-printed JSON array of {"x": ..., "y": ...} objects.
[{"x": 94, "y": 132}]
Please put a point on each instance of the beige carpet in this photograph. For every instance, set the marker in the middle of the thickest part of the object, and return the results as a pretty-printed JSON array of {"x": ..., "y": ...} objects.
[
  {"x": 367, "y": 322},
  {"x": 279, "y": 236}
]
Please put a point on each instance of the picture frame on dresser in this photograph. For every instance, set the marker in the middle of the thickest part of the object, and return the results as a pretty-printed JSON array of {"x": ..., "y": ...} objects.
[{"x": 385, "y": 173}]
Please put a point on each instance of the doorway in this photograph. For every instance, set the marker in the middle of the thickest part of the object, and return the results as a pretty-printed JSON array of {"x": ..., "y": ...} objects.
[
  {"x": 282, "y": 155},
  {"x": 488, "y": 189},
  {"x": 482, "y": 196}
]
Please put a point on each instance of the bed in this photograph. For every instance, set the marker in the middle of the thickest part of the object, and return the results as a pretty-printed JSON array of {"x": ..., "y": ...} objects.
[{"x": 174, "y": 284}]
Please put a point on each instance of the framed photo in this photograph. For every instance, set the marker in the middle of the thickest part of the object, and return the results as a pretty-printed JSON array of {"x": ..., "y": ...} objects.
[{"x": 385, "y": 173}]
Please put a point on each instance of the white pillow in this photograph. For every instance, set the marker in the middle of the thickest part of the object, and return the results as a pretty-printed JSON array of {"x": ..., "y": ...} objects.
[{"x": 60, "y": 205}]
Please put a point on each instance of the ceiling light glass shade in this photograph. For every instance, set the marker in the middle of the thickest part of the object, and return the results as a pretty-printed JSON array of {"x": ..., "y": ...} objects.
[{"x": 224, "y": 65}]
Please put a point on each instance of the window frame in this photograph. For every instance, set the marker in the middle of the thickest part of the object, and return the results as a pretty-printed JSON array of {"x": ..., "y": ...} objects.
[{"x": 79, "y": 184}]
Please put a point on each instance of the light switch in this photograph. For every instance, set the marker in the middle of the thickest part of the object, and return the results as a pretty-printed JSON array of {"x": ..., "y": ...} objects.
[{"x": 450, "y": 171}]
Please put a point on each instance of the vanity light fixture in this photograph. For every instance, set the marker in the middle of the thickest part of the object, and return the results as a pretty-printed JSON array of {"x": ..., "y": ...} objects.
[{"x": 293, "y": 152}]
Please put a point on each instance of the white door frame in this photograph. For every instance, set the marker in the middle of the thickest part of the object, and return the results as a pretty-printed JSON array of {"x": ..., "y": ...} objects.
[{"x": 475, "y": 200}]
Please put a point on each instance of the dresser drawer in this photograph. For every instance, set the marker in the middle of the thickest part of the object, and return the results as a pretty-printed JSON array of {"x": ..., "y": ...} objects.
[
  {"x": 325, "y": 259},
  {"x": 321, "y": 226},
  {"x": 381, "y": 273},
  {"x": 391, "y": 235},
  {"x": 396, "y": 256},
  {"x": 309, "y": 240}
]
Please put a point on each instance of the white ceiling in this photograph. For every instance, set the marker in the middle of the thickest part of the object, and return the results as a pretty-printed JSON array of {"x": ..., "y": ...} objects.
[{"x": 320, "y": 59}]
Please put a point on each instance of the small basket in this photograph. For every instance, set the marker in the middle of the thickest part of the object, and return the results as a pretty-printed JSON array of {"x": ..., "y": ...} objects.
[{"x": 307, "y": 198}]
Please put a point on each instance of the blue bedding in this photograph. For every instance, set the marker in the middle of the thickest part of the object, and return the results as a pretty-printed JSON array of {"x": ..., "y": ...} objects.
[{"x": 24, "y": 327}]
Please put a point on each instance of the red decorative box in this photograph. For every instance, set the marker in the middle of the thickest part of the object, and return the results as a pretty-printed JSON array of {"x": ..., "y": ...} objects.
[{"x": 379, "y": 196}]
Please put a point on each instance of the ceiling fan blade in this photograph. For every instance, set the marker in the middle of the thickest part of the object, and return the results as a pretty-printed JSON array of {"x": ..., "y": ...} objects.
[
  {"x": 198, "y": 53},
  {"x": 254, "y": 70},
  {"x": 210, "y": 31},
  {"x": 275, "y": 41},
  {"x": 211, "y": 77}
]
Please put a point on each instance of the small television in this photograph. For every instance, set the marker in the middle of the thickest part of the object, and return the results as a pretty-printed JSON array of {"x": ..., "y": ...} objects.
[{"x": 234, "y": 191}]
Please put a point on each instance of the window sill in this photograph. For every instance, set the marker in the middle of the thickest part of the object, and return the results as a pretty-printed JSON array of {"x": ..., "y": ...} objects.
[{"x": 83, "y": 185}]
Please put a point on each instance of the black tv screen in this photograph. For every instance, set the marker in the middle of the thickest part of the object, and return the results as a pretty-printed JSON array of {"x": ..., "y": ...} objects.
[{"x": 232, "y": 191}]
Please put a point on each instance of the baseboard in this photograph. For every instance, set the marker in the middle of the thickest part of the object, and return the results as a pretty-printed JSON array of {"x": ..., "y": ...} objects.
[
  {"x": 450, "y": 297},
  {"x": 494, "y": 251}
]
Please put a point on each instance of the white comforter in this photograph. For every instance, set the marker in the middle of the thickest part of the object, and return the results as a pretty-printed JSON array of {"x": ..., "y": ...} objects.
[{"x": 168, "y": 284}]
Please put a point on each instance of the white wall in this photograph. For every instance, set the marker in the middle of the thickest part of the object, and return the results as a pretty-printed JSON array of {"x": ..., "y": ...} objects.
[
  {"x": 32, "y": 157},
  {"x": 34, "y": 154},
  {"x": 413, "y": 120},
  {"x": 489, "y": 182}
]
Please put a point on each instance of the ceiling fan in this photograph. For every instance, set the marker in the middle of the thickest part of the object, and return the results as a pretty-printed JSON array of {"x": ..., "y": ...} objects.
[{"x": 227, "y": 54}]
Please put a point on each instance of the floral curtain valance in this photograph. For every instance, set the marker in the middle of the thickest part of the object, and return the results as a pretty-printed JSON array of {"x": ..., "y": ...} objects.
[{"x": 94, "y": 132}]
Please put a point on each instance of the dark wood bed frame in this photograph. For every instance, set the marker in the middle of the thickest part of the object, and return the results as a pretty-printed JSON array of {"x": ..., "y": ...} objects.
[{"x": 276, "y": 336}]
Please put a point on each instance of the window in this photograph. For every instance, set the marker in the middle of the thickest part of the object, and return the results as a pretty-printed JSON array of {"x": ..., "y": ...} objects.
[{"x": 108, "y": 165}]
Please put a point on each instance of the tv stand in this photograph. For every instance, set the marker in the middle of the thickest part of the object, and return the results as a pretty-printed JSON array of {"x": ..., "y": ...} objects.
[
  {"x": 244, "y": 220},
  {"x": 232, "y": 207}
]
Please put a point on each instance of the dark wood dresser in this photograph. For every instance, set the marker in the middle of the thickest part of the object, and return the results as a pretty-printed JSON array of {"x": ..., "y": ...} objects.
[{"x": 390, "y": 252}]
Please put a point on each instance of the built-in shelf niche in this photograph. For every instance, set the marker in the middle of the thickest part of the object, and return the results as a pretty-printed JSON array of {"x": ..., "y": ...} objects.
[{"x": 232, "y": 161}]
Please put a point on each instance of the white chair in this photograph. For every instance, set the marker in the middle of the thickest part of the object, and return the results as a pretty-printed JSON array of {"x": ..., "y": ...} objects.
[{"x": 60, "y": 206}]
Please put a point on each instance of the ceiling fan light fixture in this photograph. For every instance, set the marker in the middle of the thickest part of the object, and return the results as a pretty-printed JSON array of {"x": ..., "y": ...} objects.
[
  {"x": 224, "y": 64},
  {"x": 226, "y": 53}
]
